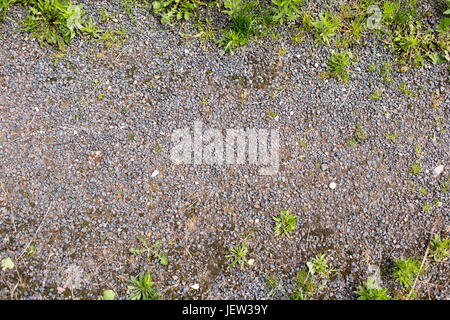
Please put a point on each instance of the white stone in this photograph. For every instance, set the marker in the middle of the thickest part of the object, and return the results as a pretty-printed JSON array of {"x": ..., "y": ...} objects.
[
  {"x": 333, "y": 185},
  {"x": 195, "y": 286},
  {"x": 155, "y": 173},
  {"x": 438, "y": 170}
]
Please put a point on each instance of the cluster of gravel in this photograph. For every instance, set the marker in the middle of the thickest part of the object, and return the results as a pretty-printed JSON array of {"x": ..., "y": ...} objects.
[{"x": 85, "y": 164}]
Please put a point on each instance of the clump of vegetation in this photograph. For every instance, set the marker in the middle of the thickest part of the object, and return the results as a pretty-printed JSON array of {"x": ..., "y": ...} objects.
[
  {"x": 405, "y": 271},
  {"x": 205, "y": 31},
  {"x": 444, "y": 23},
  {"x": 439, "y": 249},
  {"x": 375, "y": 95},
  {"x": 337, "y": 65},
  {"x": 275, "y": 285},
  {"x": 242, "y": 25},
  {"x": 141, "y": 288},
  {"x": 150, "y": 251},
  {"x": 324, "y": 28},
  {"x": 304, "y": 287},
  {"x": 306, "y": 21},
  {"x": 426, "y": 207},
  {"x": 4, "y": 6},
  {"x": 286, "y": 10},
  {"x": 356, "y": 29},
  {"x": 171, "y": 10},
  {"x": 238, "y": 255},
  {"x": 285, "y": 223},
  {"x": 54, "y": 22},
  {"x": 306, "y": 281},
  {"x": 372, "y": 291},
  {"x": 404, "y": 90},
  {"x": 358, "y": 135},
  {"x": 416, "y": 167},
  {"x": 319, "y": 266},
  {"x": 408, "y": 40},
  {"x": 399, "y": 13},
  {"x": 407, "y": 44}
]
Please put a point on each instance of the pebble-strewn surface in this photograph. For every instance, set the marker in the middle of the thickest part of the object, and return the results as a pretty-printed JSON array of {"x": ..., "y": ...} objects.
[{"x": 85, "y": 142}]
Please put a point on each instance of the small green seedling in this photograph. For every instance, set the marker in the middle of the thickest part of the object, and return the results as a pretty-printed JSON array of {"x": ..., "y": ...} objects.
[
  {"x": 150, "y": 251},
  {"x": 285, "y": 223},
  {"x": 423, "y": 191},
  {"x": 426, "y": 207},
  {"x": 141, "y": 288},
  {"x": 375, "y": 95},
  {"x": 54, "y": 22},
  {"x": 439, "y": 248},
  {"x": 238, "y": 255},
  {"x": 324, "y": 28},
  {"x": 286, "y": 10},
  {"x": 305, "y": 284},
  {"x": 275, "y": 285},
  {"x": 319, "y": 266},
  {"x": 304, "y": 287},
  {"x": 371, "y": 291},
  {"x": 405, "y": 271},
  {"x": 416, "y": 167},
  {"x": 337, "y": 65}
]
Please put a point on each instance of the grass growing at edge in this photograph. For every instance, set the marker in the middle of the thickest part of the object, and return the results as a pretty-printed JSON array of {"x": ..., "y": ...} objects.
[
  {"x": 242, "y": 26},
  {"x": 54, "y": 22},
  {"x": 324, "y": 28}
]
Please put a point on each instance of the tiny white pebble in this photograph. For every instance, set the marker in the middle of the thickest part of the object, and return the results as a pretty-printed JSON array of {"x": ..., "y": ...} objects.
[
  {"x": 251, "y": 262},
  {"x": 195, "y": 286},
  {"x": 155, "y": 173},
  {"x": 438, "y": 170},
  {"x": 333, "y": 185}
]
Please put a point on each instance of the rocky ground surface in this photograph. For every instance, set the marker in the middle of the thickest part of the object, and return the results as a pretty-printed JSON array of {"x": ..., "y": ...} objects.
[{"x": 85, "y": 142}]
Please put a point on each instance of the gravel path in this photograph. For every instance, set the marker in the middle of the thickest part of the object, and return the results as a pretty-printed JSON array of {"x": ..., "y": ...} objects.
[{"x": 81, "y": 136}]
